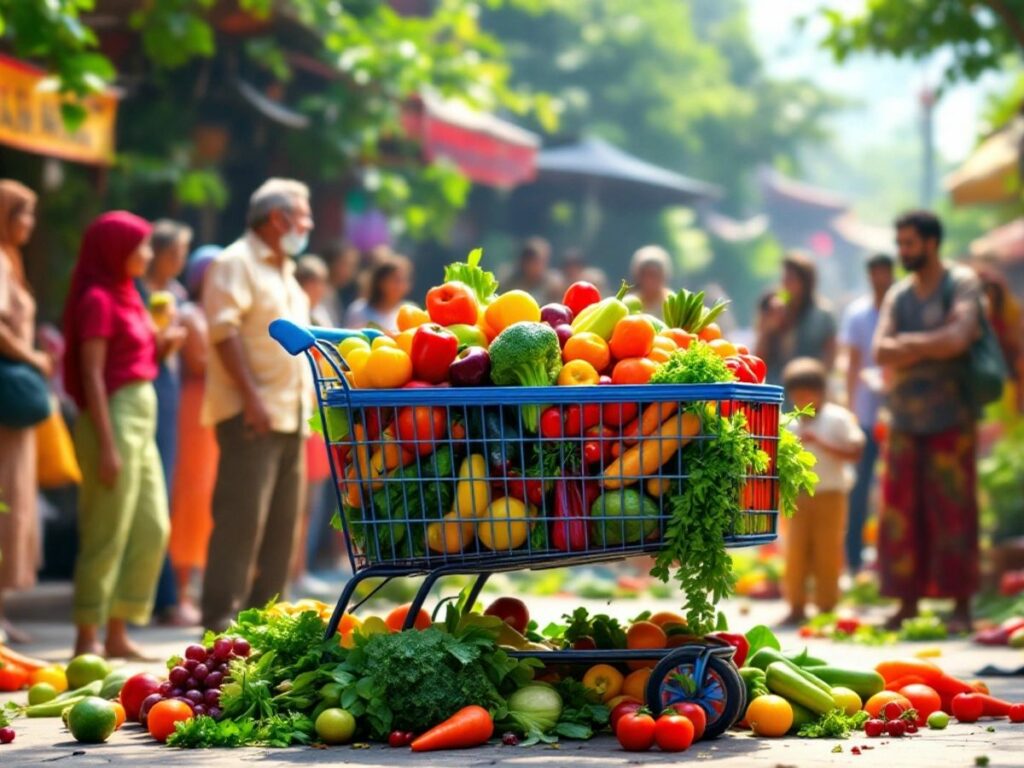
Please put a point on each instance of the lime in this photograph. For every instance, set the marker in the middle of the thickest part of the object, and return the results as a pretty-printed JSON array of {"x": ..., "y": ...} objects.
[
  {"x": 85, "y": 669},
  {"x": 938, "y": 720},
  {"x": 335, "y": 726},
  {"x": 40, "y": 693},
  {"x": 623, "y": 517},
  {"x": 92, "y": 720}
]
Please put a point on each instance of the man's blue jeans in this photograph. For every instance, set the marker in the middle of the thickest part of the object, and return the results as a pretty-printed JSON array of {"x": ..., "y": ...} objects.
[{"x": 860, "y": 498}]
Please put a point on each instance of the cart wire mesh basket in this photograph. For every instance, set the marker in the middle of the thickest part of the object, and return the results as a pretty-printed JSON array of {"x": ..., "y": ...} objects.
[{"x": 449, "y": 478}]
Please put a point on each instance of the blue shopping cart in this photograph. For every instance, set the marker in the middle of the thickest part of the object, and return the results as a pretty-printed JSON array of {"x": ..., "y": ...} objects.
[{"x": 439, "y": 481}]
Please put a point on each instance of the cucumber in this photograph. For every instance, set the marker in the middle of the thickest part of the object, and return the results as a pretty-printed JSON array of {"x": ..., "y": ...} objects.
[
  {"x": 864, "y": 683},
  {"x": 768, "y": 656},
  {"x": 788, "y": 683},
  {"x": 801, "y": 717},
  {"x": 112, "y": 684}
]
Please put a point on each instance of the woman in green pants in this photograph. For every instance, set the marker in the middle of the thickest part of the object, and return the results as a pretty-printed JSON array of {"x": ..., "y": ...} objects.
[{"x": 112, "y": 354}]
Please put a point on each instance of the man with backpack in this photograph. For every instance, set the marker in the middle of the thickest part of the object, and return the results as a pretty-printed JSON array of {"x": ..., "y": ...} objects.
[{"x": 936, "y": 344}]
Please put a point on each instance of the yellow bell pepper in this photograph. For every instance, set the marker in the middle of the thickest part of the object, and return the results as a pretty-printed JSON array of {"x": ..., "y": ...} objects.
[
  {"x": 388, "y": 367},
  {"x": 511, "y": 307}
]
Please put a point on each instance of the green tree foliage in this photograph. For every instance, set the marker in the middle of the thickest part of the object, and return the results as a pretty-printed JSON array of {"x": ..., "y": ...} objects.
[
  {"x": 380, "y": 59},
  {"x": 981, "y": 35}
]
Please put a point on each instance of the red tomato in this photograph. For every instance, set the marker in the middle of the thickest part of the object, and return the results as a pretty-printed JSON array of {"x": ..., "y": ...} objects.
[
  {"x": 695, "y": 714},
  {"x": 924, "y": 699},
  {"x": 512, "y": 611},
  {"x": 621, "y": 710},
  {"x": 134, "y": 691},
  {"x": 164, "y": 715},
  {"x": 673, "y": 733},
  {"x": 417, "y": 428},
  {"x": 580, "y": 295},
  {"x": 1016, "y": 713},
  {"x": 396, "y": 619},
  {"x": 12, "y": 678},
  {"x": 967, "y": 708},
  {"x": 635, "y": 732}
]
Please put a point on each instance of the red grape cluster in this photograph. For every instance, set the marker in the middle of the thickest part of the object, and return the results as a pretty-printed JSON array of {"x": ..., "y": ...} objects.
[{"x": 197, "y": 678}]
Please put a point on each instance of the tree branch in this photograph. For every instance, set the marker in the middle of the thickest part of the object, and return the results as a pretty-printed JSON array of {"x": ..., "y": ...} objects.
[{"x": 1009, "y": 18}]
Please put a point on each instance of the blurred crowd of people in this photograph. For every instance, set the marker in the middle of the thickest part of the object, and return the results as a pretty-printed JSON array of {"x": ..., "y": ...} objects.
[{"x": 202, "y": 491}]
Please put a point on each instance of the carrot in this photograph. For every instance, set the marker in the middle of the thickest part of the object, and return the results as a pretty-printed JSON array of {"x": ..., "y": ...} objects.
[
  {"x": 457, "y": 430},
  {"x": 469, "y": 727},
  {"x": 648, "y": 421},
  {"x": 25, "y": 662},
  {"x": 644, "y": 458},
  {"x": 350, "y": 489},
  {"x": 900, "y": 682},
  {"x": 658, "y": 486},
  {"x": 892, "y": 670}
]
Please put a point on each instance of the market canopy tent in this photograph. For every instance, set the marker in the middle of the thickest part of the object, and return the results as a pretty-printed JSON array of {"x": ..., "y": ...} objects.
[
  {"x": 1005, "y": 243},
  {"x": 991, "y": 174}
]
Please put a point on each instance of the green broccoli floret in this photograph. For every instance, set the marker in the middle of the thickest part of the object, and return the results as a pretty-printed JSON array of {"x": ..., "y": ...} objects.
[{"x": 526, "y": 355}]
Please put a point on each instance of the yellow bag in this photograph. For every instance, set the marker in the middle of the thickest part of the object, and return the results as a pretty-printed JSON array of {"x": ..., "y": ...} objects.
[{"x": 56, "y": 463}]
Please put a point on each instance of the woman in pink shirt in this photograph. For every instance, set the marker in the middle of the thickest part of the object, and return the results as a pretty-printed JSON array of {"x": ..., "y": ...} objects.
[{"x": 111, "y": 362}]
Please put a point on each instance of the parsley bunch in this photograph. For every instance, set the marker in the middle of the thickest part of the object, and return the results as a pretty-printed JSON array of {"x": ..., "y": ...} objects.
[
  {"x": 697, "y": 364},
  {"x": 704, "y": 511},
  {"x": 794, "y": 465}
]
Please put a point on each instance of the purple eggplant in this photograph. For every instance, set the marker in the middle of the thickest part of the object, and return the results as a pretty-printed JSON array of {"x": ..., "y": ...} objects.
[
  {"x": 555, "y": 315},
  {"x": 471, "y": 368}
]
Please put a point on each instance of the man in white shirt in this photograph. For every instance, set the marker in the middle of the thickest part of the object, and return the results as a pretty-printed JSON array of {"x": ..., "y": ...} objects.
[{"x": 257, "y": 397}]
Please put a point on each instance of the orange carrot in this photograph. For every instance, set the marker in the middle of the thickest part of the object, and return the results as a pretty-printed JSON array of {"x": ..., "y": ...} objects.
[
  {"x": 895, "y": 669},
  {"x": 901, "y": 682},
  {"x": 25, "y": 662},
  {"x": 469, "y": 727},
  {"x": 652, "y": 417}
]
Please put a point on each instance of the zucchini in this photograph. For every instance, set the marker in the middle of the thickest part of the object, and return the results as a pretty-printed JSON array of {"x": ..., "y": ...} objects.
[
  {"x": 788, "y": 683},
  {"x": 804, "y": 659},
  {"x": 801, "y": 717},
  {"x": 864, "y": 683},
  {"x": 768, "y": 656}
]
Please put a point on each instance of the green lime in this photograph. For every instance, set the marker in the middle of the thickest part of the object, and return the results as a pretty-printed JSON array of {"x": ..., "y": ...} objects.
[
  {"x": 623, "y": 517},
  {"x": 938, "y": 720},
  {"x": 92, "y": 720},
  {"x": 335, "y": 726},
  {"x": 40, "y": 693},
  {"x": 85, "y": 669}
]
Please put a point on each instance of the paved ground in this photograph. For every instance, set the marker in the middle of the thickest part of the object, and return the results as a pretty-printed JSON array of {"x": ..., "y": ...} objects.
[{"x": 45, "y": 742}]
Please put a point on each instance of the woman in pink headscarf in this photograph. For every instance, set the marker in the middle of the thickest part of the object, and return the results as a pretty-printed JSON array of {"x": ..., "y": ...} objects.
[{"x": 112, "y": 354}]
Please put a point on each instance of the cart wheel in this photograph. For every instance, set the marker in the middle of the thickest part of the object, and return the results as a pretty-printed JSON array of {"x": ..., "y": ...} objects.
[{"x": 720, "y": 693}]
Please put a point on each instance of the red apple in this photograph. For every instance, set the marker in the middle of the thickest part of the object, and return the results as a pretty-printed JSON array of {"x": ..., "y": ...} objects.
[
  {"x": 134, "y": 691},
  {"x": 512, "y": 611}
]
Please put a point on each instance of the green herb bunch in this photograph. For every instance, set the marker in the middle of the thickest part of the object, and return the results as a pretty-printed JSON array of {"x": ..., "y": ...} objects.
[{"x": 697, "y": 364}]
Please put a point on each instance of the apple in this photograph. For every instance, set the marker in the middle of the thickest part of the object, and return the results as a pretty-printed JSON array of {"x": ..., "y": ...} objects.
[
  {"x": 134, "y": 691},
  {"x": 512, "y": 611}
]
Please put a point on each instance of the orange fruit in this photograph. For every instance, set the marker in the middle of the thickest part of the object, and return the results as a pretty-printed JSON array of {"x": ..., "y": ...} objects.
[
  {"x": 710, "y": 333},
  {"x": 633, "y": 370},
  {"x": 633, "y": 337},
  {"x": 121, "y": 715},
  {"x": 770, "y": 716},
  {"x": 659, "y": 355},
  {"x": 587, "y": 346},
  {"x": 683, "y": 339},
  {"x": 874, "y": 705},
  {"x": 666, "y": 619},
  {"x": 645, "y": 635},
  {"x": 635, "y": 684}
]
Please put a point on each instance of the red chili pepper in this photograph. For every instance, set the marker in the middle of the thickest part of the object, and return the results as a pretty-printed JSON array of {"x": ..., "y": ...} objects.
[
  {"x": 552, "y": 426},
  {"x": 737, "y": 641},
  {"x": 433, "y": 350},
  {"x": 569, "y": 528}
]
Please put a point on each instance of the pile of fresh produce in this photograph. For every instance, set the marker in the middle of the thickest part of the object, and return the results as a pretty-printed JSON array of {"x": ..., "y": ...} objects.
[
  {"x": 429, "y": 483},
  {"x": 804, "y": 695},
  {"x": 924, "y": 628}
]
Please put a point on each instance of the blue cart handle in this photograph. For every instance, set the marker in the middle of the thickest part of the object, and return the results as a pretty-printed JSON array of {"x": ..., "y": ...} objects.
[{"x": 297, "y": 339}]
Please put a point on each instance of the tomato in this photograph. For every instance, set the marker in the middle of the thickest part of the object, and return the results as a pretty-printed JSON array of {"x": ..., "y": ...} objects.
[
  {"x": 1016, "y": 714},
  {"x": 770, "y": 716},
  {"x": 967, "y": 708},
  {"x": 633, "y": 337},
  {"x": 396, "y": 619},
  {"x": 605, "y": 680},
  {"x": 410, "y": 316},
  {"x": 924, "y": 699},
  {"x": 12, "y": 678},
  {"x": 695, "y": 713},
  {"x": 674, "y": 733},
  {"x": 623, "y": 708},
  {"x": 134, "y": 691},
  {"x": 580, "y": 295},
  {"x": 635, "y": 732},
  {"x": 164, "y": 715},
  {"x": 633, "y": 370},
  {"x": 452, "y": 303},
  {"x": 874, "y": 705},
  {"x": 512, "y": 611},
  {"x": 418, "y": 427}
]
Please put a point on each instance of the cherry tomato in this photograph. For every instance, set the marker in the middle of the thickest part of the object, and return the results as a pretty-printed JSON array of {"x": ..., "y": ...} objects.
[
  {"x": 673, "y": 733},
  {"x": 1016, "y": 713},
  {"x": 635, "y": 732},
  {"x": 696, "y": 715},
  {"x": 551, "y": 426},
  {"x": 164, "y": 715},
  {"x": 874, "y": 728},
  {"x": 398, "y": 739},
  {"x": 417, "y": 428},
  {"x": 967, "y": 708}
]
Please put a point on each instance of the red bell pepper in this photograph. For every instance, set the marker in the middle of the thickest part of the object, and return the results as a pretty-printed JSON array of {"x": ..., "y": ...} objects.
[
  {"x": 757, "y": 366},
  {"x": 433, "y": 350},
  {"x": 737, "y": 641},
  {"x": 740, "y": 370},
  {"x": 571, "y": 510}
]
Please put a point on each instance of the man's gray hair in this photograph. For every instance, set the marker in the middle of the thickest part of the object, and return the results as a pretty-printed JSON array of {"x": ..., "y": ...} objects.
[
  {"x": 167, "y": 233},
  {"x": 274, "y": 195}
]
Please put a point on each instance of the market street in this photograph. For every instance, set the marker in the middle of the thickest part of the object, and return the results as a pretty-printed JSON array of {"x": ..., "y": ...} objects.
[{"x": 45, "y": 742}]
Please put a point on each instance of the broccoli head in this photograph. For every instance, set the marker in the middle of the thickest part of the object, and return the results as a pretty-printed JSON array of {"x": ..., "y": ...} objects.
[{"x": 526, "y": 355}]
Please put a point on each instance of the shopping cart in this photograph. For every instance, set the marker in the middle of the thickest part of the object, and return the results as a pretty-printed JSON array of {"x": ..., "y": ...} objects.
[{"x": 438, "y": 481}]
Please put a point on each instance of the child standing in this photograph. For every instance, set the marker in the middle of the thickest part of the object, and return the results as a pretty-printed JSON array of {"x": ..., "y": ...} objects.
[{"x": 814, "y": 546}]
